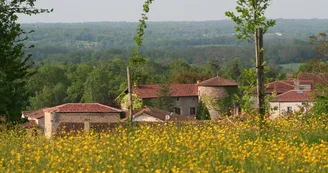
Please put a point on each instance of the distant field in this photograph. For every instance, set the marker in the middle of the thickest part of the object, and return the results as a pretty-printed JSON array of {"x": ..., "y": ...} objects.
[
  {"x": 215, "y": 45},
  {"x": 291, "y": 67}
]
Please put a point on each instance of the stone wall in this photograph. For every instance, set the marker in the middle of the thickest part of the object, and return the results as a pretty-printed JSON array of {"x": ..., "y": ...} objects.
[
  {"x": 185, "y": 103},
  {"x": 282, "y": 107},
  {"x": 53, "y": 119},
  {"x": 215, "y": 92},
  {"x": 210, "y": 96},
  {"x": 91, "y": 117}
]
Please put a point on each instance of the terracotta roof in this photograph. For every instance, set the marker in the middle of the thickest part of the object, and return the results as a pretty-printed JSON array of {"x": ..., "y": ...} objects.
[
  {"x": 278, "y": 87},
  {"x": 307, "y": 82},
  {"x": 318, "y": 79},
  {"x": 176, "y": 90},
  {"x": 293, "y": 96},
  {"x": 160, "y": 114},
  {"x": 290, "y": 81},
  {"x": 217, "y": 81},
  {"x": 33, "y": 114},
  {"x": 84, "y": 107}
]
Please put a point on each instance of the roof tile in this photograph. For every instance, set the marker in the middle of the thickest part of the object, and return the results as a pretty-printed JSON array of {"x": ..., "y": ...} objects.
[
  {"x": 293, "y": 96},
  {"x": 176, "y": 90},
  {"x": 84, "y": 107},
  {"x": 278, "y": 87},
  {"x": 217, "y": 82}
]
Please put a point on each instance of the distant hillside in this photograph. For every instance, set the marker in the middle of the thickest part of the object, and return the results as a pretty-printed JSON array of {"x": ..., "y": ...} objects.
[{"x": 286, "y": 42}]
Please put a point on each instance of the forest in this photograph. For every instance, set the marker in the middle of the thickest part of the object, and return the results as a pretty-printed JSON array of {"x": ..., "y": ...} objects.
[
  {"x": 195, "y": 42},
  {"x": 86, "y": 62}
]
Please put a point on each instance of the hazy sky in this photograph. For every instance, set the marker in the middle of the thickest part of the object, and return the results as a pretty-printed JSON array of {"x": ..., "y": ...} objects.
[{"x": 167, "y": 10}]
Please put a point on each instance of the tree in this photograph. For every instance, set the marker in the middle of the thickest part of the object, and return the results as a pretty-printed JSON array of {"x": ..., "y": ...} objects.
[
  {"x": 235, "y": 70},
  {"x": 96, "y": 87},
  {"x": 251, "y": 25},
  {"x": 318, "y": 64},
  {"x": 320, "y": 41},
  {"x": 48, "y": 97},
  {"x": 164, "y": 100},
  {"x": 314, "y": 65},
  {"x": 78, "y": 77},
  {"x": 320, "y": 97},
  {"x": 14, "y": 64},
  {"x": 247, "y": 83},
  {"x": 202, "y": 112}
]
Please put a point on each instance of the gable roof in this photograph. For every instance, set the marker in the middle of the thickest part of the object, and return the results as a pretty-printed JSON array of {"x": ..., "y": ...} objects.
[
  {"x": 176, "y": 90},
  {"x": 160, "y": 114},
  {"x": 278, "y": 87},
  {"x": 217, "y": 82},
  {"x": 37, "y": 114},
  {"x": 72, "y": 108},
  {"x": 83, "y": 108},
  {"x": 293, "y": 96}
]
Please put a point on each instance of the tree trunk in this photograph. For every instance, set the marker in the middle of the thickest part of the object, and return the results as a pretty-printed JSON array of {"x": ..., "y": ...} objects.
[
  {"x": 130, "y": 103},
  {"x": 260, "y": 72}
]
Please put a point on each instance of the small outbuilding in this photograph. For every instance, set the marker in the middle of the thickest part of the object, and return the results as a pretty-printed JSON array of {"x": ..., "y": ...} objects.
[
  {"x": 87, "y": 113},
  {"x": 149, "y": 114}
]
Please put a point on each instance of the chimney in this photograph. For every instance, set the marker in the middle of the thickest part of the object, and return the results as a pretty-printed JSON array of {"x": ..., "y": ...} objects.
[
  {"x": 50, "y": 123},
  {"x": 296, "y": 84},
  {"x": 290, "y": 76}
]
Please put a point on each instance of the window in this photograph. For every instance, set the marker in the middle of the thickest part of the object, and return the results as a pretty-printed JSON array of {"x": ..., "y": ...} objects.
[
  {"x": 289, "y": 109},
  {"x": 178, "y": 98},
  {"x": 192, "y": 111},
  {"x": 177, "y": 110}
]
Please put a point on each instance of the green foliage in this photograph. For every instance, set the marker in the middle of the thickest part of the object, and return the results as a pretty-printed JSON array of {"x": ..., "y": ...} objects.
[
  {"x": 136, "y": 59},
  {"x": 235, "y": 70},
  {"x": 202, "y": 112},
  {"x": 320, "y": 98},
  {"x": 136, "y": 102},
  {"x": 315, "y": 65},
  {"x": 251, "y": 17},
  {"x": 320, "y": 41},
  {"x": 48, "y": 96},
  {"x": 164, "y": 99},
  {"x": 96, "y": 87},
  {"x": 247, "y": 84},
  {"x": 78, "y": 76},
  {"x": 14, "y": 64}
]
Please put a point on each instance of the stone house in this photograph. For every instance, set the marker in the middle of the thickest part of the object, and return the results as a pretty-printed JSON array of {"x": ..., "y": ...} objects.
[
  {"x": 294, "y": 94},
  {"x": 290, "y": 102},
  {"x": 185, "y": 97},
  {"x": 216, "y": 89},
  {"x": 87, "y": 113},
  {"x": 149, "y": 114}
]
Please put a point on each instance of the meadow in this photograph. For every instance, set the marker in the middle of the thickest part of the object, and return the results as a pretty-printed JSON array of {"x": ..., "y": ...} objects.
[{"x": 285, "y": 145}]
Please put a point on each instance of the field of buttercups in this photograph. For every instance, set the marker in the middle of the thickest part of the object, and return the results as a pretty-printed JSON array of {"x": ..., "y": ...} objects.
[{"x": 282, "y": 146}]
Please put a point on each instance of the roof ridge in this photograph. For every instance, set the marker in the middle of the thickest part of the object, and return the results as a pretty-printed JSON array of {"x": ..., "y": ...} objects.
[
  {"x": 281, "y": 81},
  {"x": 285, "y": 93}
]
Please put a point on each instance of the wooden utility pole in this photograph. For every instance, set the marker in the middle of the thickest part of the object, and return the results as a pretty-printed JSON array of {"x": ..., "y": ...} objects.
[
  {"x": 130, "y": 105},
  {"x": 260, "y": 72}
]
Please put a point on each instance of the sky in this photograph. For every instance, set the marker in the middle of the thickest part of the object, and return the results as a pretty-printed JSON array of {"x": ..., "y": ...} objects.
[{"x": 166, "y": 10}]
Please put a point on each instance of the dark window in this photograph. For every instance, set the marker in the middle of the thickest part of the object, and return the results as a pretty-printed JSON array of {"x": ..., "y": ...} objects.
[
  {"x": 177, "y": 110},
  {"x": 192, "y": 111},
  {"x": 289, "y": 110},
  {"x": 178, "y": 98}
]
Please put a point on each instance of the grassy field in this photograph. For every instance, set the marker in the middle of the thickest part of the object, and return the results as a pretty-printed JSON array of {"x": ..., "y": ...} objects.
[
  {"x": 291, "y": 67},
  {"x": 283, "y": 146}
]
